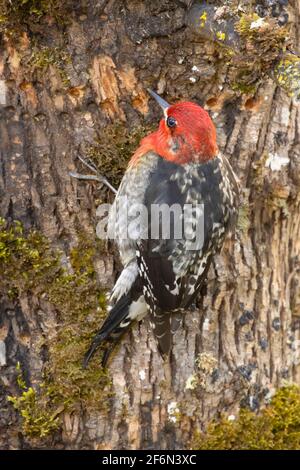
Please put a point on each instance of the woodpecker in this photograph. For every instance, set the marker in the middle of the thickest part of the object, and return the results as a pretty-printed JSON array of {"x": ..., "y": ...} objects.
[{"x": 178, "y": 164}]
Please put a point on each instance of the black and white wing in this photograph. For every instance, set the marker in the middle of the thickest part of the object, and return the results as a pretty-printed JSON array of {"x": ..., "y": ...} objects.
[{"x": 173, "y": 269}]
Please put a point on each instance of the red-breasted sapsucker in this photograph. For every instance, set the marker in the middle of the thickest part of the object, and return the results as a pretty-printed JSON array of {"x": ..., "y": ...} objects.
[{"x": 176, "y": 167}]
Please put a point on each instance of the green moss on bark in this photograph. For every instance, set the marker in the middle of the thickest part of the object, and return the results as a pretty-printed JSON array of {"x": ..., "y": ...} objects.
[
  {"x": 277, "y": 427},
  {"x": 42, "y": 57},
  {"x": 31, "y": 266},
  {"x": 262, "y": 42},
  {"x": 19, "y": 14},
  {"x": 113, "y": 149},
  {"x": 40, "y": 417}
]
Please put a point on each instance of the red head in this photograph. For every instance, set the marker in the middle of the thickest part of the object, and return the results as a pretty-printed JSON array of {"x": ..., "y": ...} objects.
[{"x": 186, "y": 134}]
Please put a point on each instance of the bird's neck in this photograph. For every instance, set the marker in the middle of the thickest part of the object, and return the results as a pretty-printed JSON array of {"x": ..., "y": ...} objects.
[
  {"x": 148, "y": 144},
  {"x": 176, "y": 149}
]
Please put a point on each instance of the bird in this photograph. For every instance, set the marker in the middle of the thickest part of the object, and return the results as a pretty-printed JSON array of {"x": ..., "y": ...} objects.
[{"x": 178, "y": 165}]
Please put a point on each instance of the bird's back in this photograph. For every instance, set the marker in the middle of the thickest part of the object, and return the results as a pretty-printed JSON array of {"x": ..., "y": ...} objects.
[{"x": 173, "y": 268}]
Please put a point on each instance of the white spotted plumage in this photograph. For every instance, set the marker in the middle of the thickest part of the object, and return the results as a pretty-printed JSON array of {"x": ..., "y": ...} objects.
[{"x": 163, "y": 276}]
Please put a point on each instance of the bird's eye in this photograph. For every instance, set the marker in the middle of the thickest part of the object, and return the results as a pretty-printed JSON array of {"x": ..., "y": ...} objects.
[{"x": 171, "y": 122}]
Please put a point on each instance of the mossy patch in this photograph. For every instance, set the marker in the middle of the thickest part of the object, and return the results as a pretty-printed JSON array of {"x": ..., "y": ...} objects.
[
  {"x": 277, "y": 427},
  {"x": 30, "y": 265},
  {"x": 27, "y": 261},
  {"x": 21, "y": 19},
  {"x": 18, "y": 14},
  {"x": 43, "y": 56},
  {"x": 255, "y": 54},
  {"x": 40, "y": 417},
  {"x": 249, "y": 46},
  {"x": 243, "y": 222},
  {"x": 260, "y": 48},
  {"x": 266, "y": 40},
  {"x": 113, "y": 149}
]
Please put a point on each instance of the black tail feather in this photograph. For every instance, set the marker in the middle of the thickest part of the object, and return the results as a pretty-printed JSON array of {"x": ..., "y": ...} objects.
[
  {"x": 165, "y": 325},
  {"x": 110, "y": 331},
  {"x": 114, "y": 326}
]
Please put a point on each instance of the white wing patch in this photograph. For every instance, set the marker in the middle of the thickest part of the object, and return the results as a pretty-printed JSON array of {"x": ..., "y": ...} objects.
[
  {"x": 174, "y": 291},
  {"x": 138, "y": 309},
  {"x": 124, "y": 282}
]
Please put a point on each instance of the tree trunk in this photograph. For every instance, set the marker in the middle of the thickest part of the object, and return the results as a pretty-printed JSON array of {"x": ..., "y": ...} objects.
[{"x": 61, "y": 86}]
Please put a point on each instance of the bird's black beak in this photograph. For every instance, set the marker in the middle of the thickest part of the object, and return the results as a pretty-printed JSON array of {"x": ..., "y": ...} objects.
[{"x": 162, "y": 103}]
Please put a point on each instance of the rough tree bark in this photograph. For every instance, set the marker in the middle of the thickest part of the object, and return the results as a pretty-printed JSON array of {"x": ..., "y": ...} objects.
[{"x": 242, "y": 340}]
